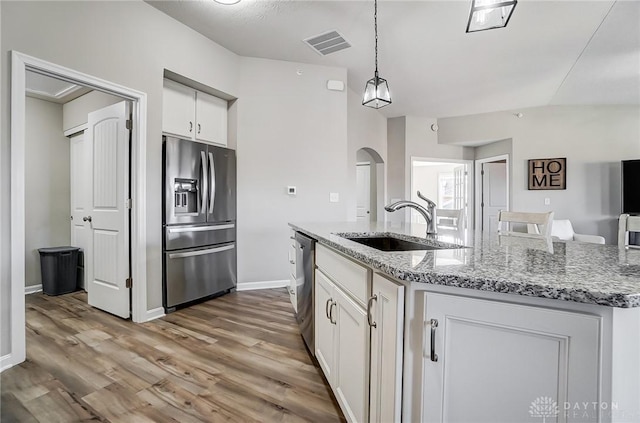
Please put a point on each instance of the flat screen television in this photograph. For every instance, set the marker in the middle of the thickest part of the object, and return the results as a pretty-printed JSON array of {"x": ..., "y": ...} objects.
[{"x": 631, "y": 186}]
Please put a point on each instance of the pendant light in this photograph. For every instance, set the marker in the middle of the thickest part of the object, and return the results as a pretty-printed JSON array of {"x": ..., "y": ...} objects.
[
  {"x": 376, "y": 92},
  {"x": 490, "y": 14}
]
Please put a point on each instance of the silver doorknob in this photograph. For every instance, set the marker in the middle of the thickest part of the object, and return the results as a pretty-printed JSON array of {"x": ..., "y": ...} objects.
[{"x": 87, "y": 218}]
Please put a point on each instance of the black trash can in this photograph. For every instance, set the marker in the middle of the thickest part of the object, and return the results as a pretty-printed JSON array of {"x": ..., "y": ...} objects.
[{"x": 59, "y": 269}]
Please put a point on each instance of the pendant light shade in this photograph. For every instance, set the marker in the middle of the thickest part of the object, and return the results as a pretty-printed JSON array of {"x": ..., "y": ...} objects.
[
  {"x": 376, "y": 92},
  {"x": 490, "y": 14}
]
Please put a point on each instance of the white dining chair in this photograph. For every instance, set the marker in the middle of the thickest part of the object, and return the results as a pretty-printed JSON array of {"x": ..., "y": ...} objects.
[
  {"x": 538, "y": 224},
  {"x": 563, "y": 230},
  {"x": 450, "y": 219},
  {"x": 626, "y": 224}
]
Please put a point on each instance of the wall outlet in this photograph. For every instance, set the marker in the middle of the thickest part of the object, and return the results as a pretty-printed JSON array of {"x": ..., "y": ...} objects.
[
  {"x": 547, "y": 201},
  {"x": 334, "y": 197},
  {"x": 291, "y": 190}
]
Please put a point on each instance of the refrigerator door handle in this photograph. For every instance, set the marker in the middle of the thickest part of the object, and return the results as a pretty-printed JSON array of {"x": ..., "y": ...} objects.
[
  {"x": 202, "y": 252},
  {"x": 200, "y": 228},
  {"x": 204, "y": 181},
  {"x": 212, "y": 192}
]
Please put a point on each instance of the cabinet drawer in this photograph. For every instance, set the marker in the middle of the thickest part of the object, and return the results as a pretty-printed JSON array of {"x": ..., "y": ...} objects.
[{"x": 348, "y": 274}]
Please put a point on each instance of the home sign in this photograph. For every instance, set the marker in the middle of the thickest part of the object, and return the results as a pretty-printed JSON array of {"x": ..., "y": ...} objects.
[{"x": 548, "y": 174}]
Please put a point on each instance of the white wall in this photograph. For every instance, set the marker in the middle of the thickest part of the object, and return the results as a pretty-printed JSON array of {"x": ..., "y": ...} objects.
[
  {"x": 366, "y": 128},
  {"x": 594, "y": 139},
  {"x": 129, "y": 43},
  {"x": 47, "y": 194},
  {"x": 291, "y": 131},
  {"x": 76, "y": 111}
]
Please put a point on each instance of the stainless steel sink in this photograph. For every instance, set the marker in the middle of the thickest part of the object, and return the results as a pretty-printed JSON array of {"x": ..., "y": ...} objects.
[{"x": 389, "y": 243}]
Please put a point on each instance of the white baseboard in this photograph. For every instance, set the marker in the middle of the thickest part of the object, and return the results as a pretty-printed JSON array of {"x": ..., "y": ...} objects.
[
  {"x": 249, "y": 286},
  {"x": 6, "y": 362},
  {"x": 155, "y": 313},
  {"x": 32, "y": 289}
]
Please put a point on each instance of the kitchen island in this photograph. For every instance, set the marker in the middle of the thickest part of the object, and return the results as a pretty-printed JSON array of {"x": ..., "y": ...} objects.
[{"x": 503, "y": 329}]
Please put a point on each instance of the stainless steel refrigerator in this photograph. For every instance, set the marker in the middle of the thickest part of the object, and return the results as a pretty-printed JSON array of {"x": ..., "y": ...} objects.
[{"x": 198, "y": 221}]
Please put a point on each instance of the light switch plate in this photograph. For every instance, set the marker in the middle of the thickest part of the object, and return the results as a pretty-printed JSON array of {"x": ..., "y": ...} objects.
[
  {"x": 547, "y": 201},
  {"x": 334, "y": 197}
]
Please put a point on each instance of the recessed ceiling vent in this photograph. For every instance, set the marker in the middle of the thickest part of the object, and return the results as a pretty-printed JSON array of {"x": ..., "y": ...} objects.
[{"x": 327, "y": 43}]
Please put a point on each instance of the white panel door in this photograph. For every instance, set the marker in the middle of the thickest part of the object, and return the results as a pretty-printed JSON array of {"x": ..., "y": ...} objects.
[
  {"x": 324, "y": 325},
  {"x": 178, "y": 110},
  {"x": 352, "y": 358},
  {"x": 363, "y": 184},
  {"x": 109, "y": 214},
  {"x": 387, "y": 313},
  {"x": 81, "y": 173},
  {"x": 498, "y": 362},
  {"x": 211, "y": 119},
  {"x": 494, "y": 194}
]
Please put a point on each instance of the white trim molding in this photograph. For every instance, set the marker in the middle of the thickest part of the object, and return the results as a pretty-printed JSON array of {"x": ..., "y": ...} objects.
[
  {"x": 32, "y": 289},
  {"x": 155, "y": 313},
  {"x": 6, "y": 362},
  {"x": 250, "y": 286},
  {"x": 20, "y": 63}
]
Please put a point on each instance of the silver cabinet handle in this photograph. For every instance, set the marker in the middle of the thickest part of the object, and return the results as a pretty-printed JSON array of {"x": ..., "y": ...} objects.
[
  {"x": 326, "y": 308},
  {"x": 212, "y": 193},
  {"x": 199, "y": 128},
  {"x": 373, "y": 298},
  {"x": 204, "y": 181},
  {"x": 292, "y": 237},
  {"x": 87, "y": 218},
  {"x": 202, "y": 252},
  {"x": 292, "y": 262},
  {"x": 434, "y": 325},
  {"x": 333, "y": 303},
  {"x": 190, "y": 126}
]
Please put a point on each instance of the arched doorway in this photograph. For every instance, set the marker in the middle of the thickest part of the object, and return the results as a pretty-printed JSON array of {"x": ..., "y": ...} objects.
[{"x": 370, "y": 184}]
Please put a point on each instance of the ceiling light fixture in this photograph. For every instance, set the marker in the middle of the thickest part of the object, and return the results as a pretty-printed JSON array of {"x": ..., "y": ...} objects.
[
  {"x": 376, "y": 92},
  {"x": 490, "y": 14},
  {"x": 227, "y": 2}
]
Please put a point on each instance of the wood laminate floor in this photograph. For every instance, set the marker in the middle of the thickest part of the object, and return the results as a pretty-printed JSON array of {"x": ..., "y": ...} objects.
[{"x": 236, "y": 358}]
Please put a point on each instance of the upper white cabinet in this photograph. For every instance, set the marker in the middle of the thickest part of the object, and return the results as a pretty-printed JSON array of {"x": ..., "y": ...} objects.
[
  {"x": 487, "y": 361},
  {"x": 192, "y": 114}
]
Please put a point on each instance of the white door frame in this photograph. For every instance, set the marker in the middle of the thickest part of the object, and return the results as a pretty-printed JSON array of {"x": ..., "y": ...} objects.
[
  {"x": 470, "y": 182},
  {"x": 20, "y": 63},
  {"x": 478, "y": 191}
]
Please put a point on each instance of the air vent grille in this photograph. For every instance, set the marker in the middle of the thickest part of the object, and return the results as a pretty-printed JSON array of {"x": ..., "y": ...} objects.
[{"x": 327, "y": 43}]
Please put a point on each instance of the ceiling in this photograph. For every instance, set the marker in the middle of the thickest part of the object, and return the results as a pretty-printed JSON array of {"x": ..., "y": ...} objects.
[
  {"x": 52, "y": 89},
  {"x": 552, "y": 52}
]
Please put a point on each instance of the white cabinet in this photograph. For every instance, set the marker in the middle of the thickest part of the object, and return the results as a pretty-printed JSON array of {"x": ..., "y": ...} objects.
[
  {"x": 192, "y": 114},
  {"x": 489, "y": 361},
  {"x": 387, "y": 315},
  {"x": 342, "y": 347}
]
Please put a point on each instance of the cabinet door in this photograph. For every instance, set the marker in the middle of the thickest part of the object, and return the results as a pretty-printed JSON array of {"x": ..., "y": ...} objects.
[
  {"x": 324, "y": 328},
  {"x": 352, "y": 358},
  {"x": 211, "y": 118},
  {"x": 499, "y": 362},
  {"x": 387, "y": 318},
  {"x": 178, "y": 110}
]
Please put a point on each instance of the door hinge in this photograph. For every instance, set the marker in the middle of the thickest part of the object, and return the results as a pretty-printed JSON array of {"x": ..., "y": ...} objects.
[
  {"x": 482, "y": 172},
  {"x": 128, "y": 283},
  {"x": 128, "y": 203},
  {"x": 129, "y": 124}
]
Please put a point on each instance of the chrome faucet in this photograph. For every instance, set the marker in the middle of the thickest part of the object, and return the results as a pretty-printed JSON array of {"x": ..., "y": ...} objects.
[{"x": 428, "y": 214}]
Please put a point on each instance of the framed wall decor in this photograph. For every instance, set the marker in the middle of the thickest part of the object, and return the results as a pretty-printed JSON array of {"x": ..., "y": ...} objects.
[{"x": 548, "y": 174}]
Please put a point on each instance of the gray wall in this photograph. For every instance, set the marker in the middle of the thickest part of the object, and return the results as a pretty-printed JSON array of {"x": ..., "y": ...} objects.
[
  {"x": 396, "y": 157},
  {"x": 594, "y": 139},
  {"x": 129, "y": 43},
  {"x": 47, "y": 194},
  {"x": 291, "y": 131}
]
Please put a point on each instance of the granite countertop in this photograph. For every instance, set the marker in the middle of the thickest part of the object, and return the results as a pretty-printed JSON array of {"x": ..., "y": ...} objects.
[{"x": 570, "y": 271}]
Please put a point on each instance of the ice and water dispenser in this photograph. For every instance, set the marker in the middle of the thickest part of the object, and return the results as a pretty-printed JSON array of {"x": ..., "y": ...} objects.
[{"x": 185, "y": 194}]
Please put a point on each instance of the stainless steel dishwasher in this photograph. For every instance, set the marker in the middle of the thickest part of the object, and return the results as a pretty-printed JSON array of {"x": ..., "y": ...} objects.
[{"x": 305, "y": 268}]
